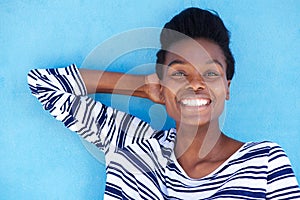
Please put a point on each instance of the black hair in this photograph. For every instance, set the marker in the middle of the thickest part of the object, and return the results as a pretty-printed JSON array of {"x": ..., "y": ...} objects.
[{"x": 195, "y": 23}]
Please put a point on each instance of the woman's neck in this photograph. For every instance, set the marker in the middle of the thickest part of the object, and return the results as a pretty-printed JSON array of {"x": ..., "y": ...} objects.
[
  {"x": 197, "y": 140},
  {"x": 200, "y": 150}
]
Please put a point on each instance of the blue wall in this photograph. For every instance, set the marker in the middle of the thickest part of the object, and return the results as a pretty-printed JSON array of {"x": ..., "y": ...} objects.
[{"x": 40, "y": 159}]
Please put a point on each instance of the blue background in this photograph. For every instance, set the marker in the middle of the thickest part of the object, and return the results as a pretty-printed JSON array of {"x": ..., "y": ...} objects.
[{"x": 40, "y": 159}]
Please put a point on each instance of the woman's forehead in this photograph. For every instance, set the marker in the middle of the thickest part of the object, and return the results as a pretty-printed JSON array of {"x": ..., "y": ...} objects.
[{"x": 195, "y": 52}]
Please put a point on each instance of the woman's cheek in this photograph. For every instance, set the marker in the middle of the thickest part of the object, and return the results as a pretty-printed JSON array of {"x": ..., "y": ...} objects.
[
  {"x": 218, "y": 87},
  {"x": 173, "y": 86}
]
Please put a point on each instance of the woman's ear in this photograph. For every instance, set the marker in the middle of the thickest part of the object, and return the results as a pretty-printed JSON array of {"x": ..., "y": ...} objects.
[{"x": 228, "y": 90}]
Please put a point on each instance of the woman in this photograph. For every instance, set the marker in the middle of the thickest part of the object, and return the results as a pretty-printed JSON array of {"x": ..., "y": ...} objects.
[{"x": 195, "y": 160}]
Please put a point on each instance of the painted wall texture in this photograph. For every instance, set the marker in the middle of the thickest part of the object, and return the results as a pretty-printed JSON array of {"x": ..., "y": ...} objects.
[{"x": 40, "y": 159}]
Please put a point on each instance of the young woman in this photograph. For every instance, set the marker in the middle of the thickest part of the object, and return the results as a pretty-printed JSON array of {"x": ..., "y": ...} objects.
[{"x": 195, "y": 160}]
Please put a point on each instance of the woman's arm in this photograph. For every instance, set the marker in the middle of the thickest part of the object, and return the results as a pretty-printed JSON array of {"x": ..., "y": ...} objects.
[
  {"x": 145, "y": 86},
  {"x": 281, "y": 180},
  {"x": 63, "y": 93}
]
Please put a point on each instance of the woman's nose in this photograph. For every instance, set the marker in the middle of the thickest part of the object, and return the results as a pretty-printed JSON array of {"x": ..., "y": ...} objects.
[{"x": 196, "y": 83}]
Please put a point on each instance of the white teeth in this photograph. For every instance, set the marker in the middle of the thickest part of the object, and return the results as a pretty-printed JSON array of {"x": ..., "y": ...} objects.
[{"x": 195, "y": 102}]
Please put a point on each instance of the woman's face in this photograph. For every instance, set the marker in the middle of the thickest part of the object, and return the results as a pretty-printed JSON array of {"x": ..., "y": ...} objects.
[{"x": 194, "y": 83}]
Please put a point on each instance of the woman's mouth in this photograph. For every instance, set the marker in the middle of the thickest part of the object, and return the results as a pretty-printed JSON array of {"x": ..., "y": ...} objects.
[{"x": 195, "y": 102}]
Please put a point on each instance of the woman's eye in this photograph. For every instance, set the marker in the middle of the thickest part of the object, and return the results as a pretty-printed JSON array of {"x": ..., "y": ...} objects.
[
  {"x": 178, "y": 74},
  {"x": 212, "y": 74}
]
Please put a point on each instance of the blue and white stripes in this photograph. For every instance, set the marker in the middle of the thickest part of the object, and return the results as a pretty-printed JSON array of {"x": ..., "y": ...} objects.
[{"x": 140, "y": 161}]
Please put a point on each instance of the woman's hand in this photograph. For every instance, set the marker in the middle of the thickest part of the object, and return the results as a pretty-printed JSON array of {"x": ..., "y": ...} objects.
[{"x": 153, "y": 88}]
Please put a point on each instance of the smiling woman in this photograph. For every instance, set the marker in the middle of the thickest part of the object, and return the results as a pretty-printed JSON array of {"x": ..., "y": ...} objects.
[
  {"x": 195, "y": 159},
  {"x": 195, "y": 74}
]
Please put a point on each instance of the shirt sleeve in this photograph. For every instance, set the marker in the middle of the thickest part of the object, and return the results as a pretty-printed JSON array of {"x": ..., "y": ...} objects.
[
  {"x": 281, "y": 181},
  {"x": 62, "y": 92}
]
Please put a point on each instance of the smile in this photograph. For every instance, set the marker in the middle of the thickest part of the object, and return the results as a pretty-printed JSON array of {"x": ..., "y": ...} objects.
[{"x": 195, "y": 102}]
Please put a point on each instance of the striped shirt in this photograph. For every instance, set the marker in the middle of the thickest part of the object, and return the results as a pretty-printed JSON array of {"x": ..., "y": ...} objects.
[{"x": 140, "y": 161}]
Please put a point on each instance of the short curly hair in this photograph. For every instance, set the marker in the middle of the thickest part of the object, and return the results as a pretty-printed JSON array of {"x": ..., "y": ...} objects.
[{"x": 195, "y": 23}]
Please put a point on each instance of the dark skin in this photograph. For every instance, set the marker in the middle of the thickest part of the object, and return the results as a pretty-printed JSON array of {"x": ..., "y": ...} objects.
[{"x": 194, "y": 89}]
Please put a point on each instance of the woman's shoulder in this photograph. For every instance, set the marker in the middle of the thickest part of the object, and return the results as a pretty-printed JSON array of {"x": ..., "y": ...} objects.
[
  {"x": 262, "y": 151},
  {"x": 259, "y": 145},
  {"x": 165, "y": 137}
]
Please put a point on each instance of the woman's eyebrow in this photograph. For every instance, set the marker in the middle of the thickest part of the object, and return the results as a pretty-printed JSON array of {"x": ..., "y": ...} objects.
[
  {"x": 182, "y": 62},
  {"x": 214, "y": 61},
  {"x": 174, "y": 62}
]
